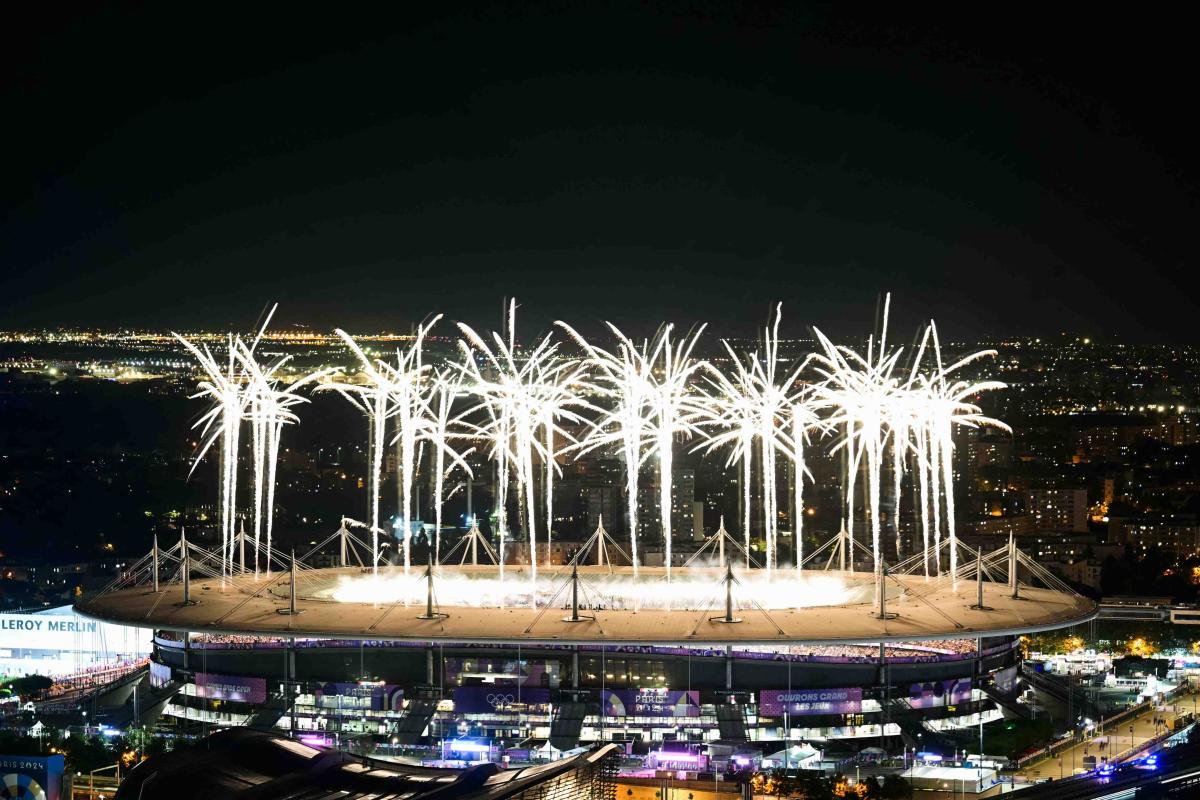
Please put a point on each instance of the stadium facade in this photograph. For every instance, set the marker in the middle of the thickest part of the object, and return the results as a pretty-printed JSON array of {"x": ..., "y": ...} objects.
[
  {"x": 719, "y": 680},
  {"x": 458, "y": 703}
]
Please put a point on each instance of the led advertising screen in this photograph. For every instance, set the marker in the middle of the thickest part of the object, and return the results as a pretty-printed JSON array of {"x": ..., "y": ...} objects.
[
  {"x": 939, "y": 693},
  {"x": 482, "y": 699},
  {"x": 231, "y": 687},
  {"x": 649, "y": 703},
  {"x": 799, "y": 702},
  {"x": 160, "y": 675},
  {"x": 368, "y": 694}
]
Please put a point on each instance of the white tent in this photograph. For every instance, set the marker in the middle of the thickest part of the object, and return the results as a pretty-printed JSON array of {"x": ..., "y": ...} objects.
[
  {"x": 798, "y": 756},
  {"x": 963, "y": 779}
]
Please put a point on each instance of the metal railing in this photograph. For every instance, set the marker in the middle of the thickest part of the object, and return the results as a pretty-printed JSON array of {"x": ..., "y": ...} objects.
[{"x": 1076, "y": 737}]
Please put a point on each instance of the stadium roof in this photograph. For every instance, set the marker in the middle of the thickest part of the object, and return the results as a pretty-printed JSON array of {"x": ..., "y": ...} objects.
[
  {"x": 243, "y": 763},
  {"x": 921, "y": 609}
]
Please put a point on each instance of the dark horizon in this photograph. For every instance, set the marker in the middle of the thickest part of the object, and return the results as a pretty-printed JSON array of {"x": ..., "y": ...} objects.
[{"x": 688, "y": 162}]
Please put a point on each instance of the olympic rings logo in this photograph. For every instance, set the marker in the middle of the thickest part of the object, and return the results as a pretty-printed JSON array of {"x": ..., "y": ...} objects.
[{"x": 500, "y": 700}]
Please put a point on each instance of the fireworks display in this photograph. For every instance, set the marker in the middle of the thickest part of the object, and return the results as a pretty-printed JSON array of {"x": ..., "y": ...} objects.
[
  {"x": 615, "y": 591},
  {"x": 244, "y": 389},
  {"x": 522, "y": 394},
  {"x": 761, "y": 401},
  {"x": 876, "y": 410},
  {"x": 886, "y": 413},
  {"x": 653, "y": 405}
]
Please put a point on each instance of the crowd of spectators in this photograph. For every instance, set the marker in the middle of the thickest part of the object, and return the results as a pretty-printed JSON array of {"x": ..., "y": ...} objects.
[
  {"x": 93, "y": 677},
  {"x": 241, "y": 641},
  {"x": 915, "y": 651}
]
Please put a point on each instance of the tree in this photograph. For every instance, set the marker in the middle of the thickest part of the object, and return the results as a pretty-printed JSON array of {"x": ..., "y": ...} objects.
[
  {"x": 894, "y": 788},
  {"x": 85, "y": 754},
  {"x": 30, "y": 685},
  {"x": 814, "y": 786},
  {"x": 19, "y": 744}
]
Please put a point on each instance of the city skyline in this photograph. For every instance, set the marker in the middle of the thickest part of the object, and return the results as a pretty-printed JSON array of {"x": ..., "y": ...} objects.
[{"x": 301, "y": 332}]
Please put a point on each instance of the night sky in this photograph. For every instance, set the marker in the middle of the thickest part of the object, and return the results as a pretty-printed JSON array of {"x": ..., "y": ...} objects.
[{"x": 1030, "y": 171}]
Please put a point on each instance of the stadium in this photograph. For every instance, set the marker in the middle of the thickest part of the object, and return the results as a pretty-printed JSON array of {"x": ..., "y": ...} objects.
[
  {"x": 728, "y": 653},
  {"x": 725, "y": 669}
]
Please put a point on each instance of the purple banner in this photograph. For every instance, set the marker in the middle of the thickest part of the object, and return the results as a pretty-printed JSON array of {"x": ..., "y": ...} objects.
[
  {"x": 231, "y": 687},
  {"x": 799, "y": 702},
  {"x": 482, "y": 699},
  {"x": 939, "y": 693},
  {"x": 376, "y": 696},
  {"x": 650, "y": 703}
]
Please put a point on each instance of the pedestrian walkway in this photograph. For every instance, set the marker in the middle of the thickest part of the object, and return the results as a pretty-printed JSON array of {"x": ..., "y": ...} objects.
[{"x": 1112, "y": 741}]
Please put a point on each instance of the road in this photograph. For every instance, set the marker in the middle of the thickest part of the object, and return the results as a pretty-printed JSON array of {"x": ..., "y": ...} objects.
[
  {"x": 1119, "y": 739},
  {"x": 1178, "y": 771}
]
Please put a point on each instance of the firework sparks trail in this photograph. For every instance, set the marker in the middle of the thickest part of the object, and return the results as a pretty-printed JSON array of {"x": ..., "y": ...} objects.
[
  {"x": 222, "y": 422},
  {"x": 529, "y": 396},
  {"x": 496, "y": 432},
  {"x": 756, "y": 404},
  {"x": 862, "y": 395},
  {"x": 499, "y": 399},
  {"x": 652, "y": 405},
  {"x": 258, "y": 402},
  {"x": 620, "y": 377},
  {"x": 529, "y": 391},
  {"x": 409, "y": 384},
  {"x": 375, "y": 399},
  {"x": 729, "y": 417},
  {"x": 909, "y": 435},
  {"x": 676, "y": 411},
  {"x": 447, "y": 383},
  {"x": 245, "y": 390},
  {"x": 399, "y": 390},
  {"x": 802, "y": 421},
  {"x": 270, "y": 410},
  {"x": 934, "y": 479},
  {"x": 946, "y": 406},
  {"x": 559, "y": 400},
  {"x": 878, "y": 411},
  {"x": 922, "y": 486}
]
